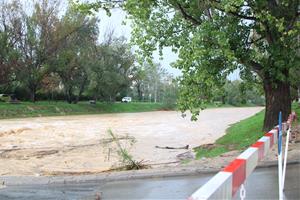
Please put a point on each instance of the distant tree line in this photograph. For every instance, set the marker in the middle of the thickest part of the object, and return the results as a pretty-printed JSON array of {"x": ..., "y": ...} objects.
[
  {"x": 48, "y": 54},
  {"x": 238, "y": 93},
  {"x": 154, "y": 83}
]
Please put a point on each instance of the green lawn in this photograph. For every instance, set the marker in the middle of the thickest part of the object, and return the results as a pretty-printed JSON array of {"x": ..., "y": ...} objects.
[
  {"x": 219, "y": 105},
  {"x": 45, "y": 108},
  {"x": 53, "y": 108},
  {"x": 296, "y": 108},
  {"x": 238, "y": 136}
]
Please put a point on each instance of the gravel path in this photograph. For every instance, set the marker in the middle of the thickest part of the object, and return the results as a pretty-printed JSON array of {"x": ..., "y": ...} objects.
[{"x": 80, "y": 144}]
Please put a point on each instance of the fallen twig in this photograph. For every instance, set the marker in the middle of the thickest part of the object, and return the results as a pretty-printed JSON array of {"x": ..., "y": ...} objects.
[{"x": 166, "y": 147}]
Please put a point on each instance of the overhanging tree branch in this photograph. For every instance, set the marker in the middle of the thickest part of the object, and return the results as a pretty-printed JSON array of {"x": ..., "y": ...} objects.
[
  {"x": 236, "y": 14},
  {"x": 242, "y": 16},
  {"x": 187, "y": 16},
  {"x": 254, "y": 41},
  {"x": 256, "y": 67}
]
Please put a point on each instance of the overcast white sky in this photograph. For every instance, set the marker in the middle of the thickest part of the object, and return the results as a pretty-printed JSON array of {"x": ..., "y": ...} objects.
[{"x": 115, "y": 22}]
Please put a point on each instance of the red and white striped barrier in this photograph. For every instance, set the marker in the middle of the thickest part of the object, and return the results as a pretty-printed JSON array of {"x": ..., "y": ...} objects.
[{"x": 226, "y": 183}]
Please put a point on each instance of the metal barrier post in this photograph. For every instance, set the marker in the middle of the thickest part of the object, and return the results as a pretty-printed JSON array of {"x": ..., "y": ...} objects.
[
  {"x": 280, "y": 158},
  {"x": 285, "y": 156}
]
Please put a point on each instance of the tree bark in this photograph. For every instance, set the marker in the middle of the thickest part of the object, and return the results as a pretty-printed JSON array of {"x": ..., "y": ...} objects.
[
  {"x": 69, "y": 94},
  {"x": 32, "y": 94},
  {"x": 299, "y": 94},
  {"x": 139, "y": 91},
  {"x": 223, "y": 99},
  {"x": 278, "y": 98},
  {"x": 81, "y": 90}
]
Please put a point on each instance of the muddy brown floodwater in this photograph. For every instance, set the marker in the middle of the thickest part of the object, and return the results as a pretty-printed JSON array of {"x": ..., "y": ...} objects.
[{"x": 81, "y": 144}]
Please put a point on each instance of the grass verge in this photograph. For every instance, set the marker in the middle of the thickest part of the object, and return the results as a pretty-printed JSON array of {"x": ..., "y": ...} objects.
[
  {"x": 61, "y": 108},
  {"x": 45, "y": 108},
  {"x": 239, "y": 136}
]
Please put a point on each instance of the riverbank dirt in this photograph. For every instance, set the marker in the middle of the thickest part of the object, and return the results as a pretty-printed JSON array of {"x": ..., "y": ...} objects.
[{"x": 81, "y": 145}]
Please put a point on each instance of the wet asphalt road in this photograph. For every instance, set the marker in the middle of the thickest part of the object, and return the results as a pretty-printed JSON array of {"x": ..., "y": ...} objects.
[{"x": 262, "y": 184}]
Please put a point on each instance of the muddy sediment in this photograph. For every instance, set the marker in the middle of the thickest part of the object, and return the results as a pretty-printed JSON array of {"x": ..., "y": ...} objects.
[{"x": 81, "y": 144}]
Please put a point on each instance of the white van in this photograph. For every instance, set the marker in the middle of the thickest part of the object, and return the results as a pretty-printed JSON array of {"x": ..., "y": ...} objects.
[{"x": 126, "y": 99}]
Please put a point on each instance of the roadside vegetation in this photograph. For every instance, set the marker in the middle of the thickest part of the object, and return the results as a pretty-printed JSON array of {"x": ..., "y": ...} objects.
[
  {"x": 62, "y": 108},
  {"x": 238, "y": 137},
  {"x": 45, "y": 108}
]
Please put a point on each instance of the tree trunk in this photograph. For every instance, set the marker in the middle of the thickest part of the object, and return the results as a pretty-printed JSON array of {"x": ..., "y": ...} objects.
[
  {"x": 278, "y": 98},
  {"x": 299, "y": 94},
  {"x": 77, "y": 98},
  {"x": 223, "y": 99},
  {"x": 155, "y": 92},
  {"x": 32, "y": 95},
  {"x": 81, "y": 90},
  {"x": 69, "y": 95},
  {"x": 139, "y": 91}
]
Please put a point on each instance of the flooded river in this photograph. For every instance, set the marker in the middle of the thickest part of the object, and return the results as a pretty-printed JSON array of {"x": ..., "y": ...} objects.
[{"x": 81, "y": 144}]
